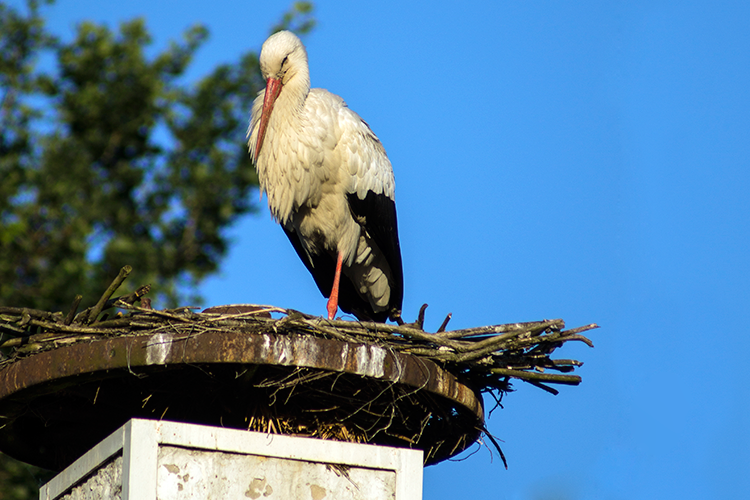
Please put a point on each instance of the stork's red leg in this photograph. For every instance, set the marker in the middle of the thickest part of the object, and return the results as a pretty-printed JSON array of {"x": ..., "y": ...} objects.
[{"x": 333, "y": 300}]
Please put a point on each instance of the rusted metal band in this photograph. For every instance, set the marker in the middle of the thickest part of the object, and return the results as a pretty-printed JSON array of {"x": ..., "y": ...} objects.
[{"x": 133, "y": 352}]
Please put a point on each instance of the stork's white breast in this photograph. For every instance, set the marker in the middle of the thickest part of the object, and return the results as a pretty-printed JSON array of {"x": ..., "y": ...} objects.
[{"x": 324, "y": 147}]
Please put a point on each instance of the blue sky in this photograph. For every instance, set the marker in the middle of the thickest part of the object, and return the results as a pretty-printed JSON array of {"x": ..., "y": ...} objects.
[{"x": 577, "y": 160}]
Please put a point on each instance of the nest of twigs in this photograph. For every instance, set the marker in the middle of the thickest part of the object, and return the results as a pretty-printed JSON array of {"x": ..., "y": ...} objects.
[{"x": 320, "y": 403}]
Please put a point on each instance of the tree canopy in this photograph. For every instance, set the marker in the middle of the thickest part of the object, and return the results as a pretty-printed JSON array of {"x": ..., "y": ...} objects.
[{"x": 108, "y": 157}]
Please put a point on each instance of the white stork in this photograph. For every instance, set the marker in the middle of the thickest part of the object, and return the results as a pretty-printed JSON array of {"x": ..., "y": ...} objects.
[{"x": 329, "y": 184}]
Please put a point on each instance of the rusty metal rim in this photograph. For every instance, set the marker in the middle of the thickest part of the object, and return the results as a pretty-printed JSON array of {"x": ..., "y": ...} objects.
[{"x": 162, "y": 349}]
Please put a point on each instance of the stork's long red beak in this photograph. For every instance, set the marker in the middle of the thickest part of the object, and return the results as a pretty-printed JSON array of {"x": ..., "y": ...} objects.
[{"x": 273, "y": 89}]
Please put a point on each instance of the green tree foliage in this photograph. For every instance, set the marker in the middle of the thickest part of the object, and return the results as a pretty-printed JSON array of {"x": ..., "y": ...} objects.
[
  {"x": 19, "y": 481},
  {"x": 109, "y": 157},
  {"x": 113, "y": 159}
]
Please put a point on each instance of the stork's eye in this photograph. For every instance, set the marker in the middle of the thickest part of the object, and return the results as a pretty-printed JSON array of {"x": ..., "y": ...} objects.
[{"x": 284, "y": 61}]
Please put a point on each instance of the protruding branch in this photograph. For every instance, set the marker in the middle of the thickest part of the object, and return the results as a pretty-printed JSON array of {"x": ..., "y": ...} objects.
[
  {"x": 73, "y": 308},
  {"x": 538, "y": 377},
  {"x": 445, "y": 323},
  {"x": 89, "y": 315}
]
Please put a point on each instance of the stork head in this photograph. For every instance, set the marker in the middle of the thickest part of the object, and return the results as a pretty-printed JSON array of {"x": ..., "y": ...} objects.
[{"x": 283, "y": 63}]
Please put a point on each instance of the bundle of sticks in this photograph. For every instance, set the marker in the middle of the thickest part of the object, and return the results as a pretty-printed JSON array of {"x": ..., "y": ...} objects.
[{"x": 486, "y": 356}]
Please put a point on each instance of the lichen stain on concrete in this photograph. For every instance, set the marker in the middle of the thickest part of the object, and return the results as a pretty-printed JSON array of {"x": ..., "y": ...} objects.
[
  {"x": 258, "y": 487},
  {"x": 172, "y": 468},
  {"x": 317, "y": 492}
]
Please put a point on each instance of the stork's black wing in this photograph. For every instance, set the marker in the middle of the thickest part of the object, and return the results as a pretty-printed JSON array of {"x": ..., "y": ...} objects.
[{"x": 377, "y": 214}]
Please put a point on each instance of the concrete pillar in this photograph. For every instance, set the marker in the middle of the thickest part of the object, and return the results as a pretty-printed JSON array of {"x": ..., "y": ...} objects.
[{"x": 150, "y": 460}]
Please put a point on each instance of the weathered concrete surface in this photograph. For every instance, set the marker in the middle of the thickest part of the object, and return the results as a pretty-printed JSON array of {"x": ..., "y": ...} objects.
[
  {"x": 105, "y": 483},
  {"x": 150, "y": 460},
  {"x": 188, "y": 474}
]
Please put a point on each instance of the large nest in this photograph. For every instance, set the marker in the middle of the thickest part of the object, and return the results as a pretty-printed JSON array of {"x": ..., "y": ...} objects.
[{"x": 273, "y": 395}]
